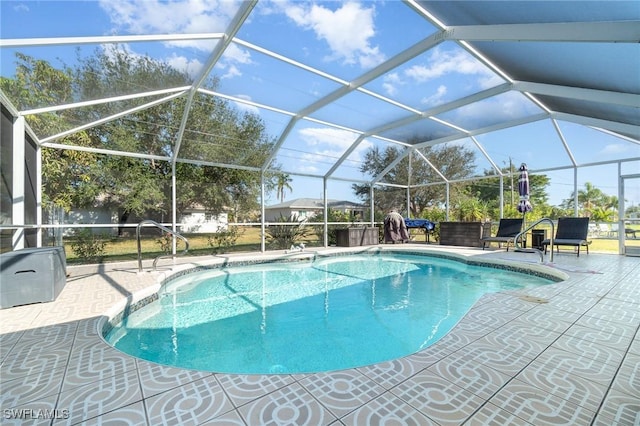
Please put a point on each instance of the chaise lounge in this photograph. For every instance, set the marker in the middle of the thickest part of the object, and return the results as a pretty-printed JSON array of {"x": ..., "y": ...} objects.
[
  {"x": 572, "y": 231},
  {"x": 507, "y": 231}
]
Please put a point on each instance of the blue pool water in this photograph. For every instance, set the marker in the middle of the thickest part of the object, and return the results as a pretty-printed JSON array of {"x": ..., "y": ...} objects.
[{"x": 297, "y": 317}]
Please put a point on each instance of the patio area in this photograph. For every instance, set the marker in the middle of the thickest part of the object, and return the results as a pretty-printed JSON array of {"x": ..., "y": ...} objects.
[{"x": 568, "y": 353}]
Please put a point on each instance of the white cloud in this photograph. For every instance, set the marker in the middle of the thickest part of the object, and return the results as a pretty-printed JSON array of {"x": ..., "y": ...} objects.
[
  {"x": 391, "y": 82},
  {"x": 191, "y": 67},
  {"x": 508, "y": 106},
  {"x": 437, "y": 97},
  {"x": 326, "y": 145},
  {"x": 160, "y": 17},
  {"x": 614, "y": 149},
  {"x": 21, "y": 7},
  {"x": 347, "y": 30},
  {"x": 183, "y": 17},
  {"x": 443, "y": 62},
  {"x": 246, "y": 107}
]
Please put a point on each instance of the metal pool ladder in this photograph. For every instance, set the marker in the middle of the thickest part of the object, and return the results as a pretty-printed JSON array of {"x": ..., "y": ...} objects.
[
  {"x": 165, "y": 229},
  {"x": 518, "y": 238}
]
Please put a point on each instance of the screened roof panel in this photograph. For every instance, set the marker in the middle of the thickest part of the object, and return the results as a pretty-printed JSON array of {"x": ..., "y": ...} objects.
[
  {"x": 494, "y": 110},
  {"x": 600, "y": 110},
  {"x": 313, "y": 148},
  {"x": 570, "y": 64},
  {"x": 536, "y": 144},
  {"x": 420, "y": 131},
  {"x": 589, "y": 145},
  {"x": 440, "y": 75},
  {"x": 270, "y": 81},
  {"x": 359, "y": 111},
  {"x": 473, "y": 12},
  {"x": 351, "y": 166}
]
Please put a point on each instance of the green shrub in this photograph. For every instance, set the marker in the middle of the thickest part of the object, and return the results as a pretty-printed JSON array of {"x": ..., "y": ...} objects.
[
  {"x": 223, "y": 239},
  {"x": 89, "y": 246},
  {"x": 284, "y": 236},
  {"x": 165, "y": 242}
]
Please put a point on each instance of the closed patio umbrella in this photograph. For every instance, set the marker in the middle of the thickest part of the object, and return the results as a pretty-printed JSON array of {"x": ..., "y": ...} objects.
[{"x": 524, "y": 205}]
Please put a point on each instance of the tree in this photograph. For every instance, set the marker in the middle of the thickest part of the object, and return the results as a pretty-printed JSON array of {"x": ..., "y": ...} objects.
[
  {"x": 453, "y": 161},
  {"x": 282, "y": 183},
  {"x": 66, "y": 175},
  {"x": 488, "y": 191},
  {"x": 215, "y": 132},
  {"x": 591, "y": 200}
]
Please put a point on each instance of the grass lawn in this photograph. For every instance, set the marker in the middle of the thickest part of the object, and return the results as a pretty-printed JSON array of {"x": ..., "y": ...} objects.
[{"x": 120, "y": 249}]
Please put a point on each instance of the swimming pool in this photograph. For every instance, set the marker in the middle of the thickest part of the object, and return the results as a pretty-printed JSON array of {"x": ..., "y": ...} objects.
[{"x": 308, "y": 316}]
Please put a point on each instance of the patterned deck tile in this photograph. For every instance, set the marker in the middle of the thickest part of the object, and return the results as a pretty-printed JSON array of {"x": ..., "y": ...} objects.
[
  {"x": 444, "y": 402},
  {"x": 540, "y": 407},
  {"x": 619, "y": 409},
  {"x": 31, "y": 413},
  {"x": 389, "y": 373},
  {"x": 564, "y": 384},
  {"x": 618, "y": 311},
  {"x": 548, "y": 318},
  {"x": 607, "y": 324},
  {"x": 497, "y": 356},
  {"x": 426, "y": 357},
  {"x": 17, "y": 392},
  {"x": 635, "y": 345},
  {"x": 7, "y": 342},
  {"x": 628, "y": 378},
  {"x": 130, "y": 415},
  {"x": 232, "y": 418},
  {"x": 245, "y": 388},
  {"x": 31, "y": 358},
  {"x": 609, "y": 337},
  {"x": 491, "y": 415},
  {"x": 50, "y": 334},
  {"x": 387, "y": 410},
  {"x": 573, "y": 302},
  {"x": 88, "y": 328},
  {"x": 496, "y": 315},
  {"x": 86, "y": 402},
  {"x": 94, "y": 362},
  {"x": 189, "y": 404},
  {"x": 530, "y": 340},
  {"x": 156, "y": 378},
  {"x": 453, "y": 341},
  {"x": 600, "y": 370},
  {"x": 470, "y": 330},
  {"x": 291, "y": 405},
  {"x": 342, "y": 391},
  {"x": 465, "y": 371},
  {"x": 585, "y": 348}
]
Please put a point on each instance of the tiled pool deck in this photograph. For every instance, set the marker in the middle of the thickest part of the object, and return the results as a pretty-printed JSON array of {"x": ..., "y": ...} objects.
[{"x": 511, "y": 361}]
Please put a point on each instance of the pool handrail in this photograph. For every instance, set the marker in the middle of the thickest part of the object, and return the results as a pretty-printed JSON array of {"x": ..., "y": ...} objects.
[
  {"x": 165, "y": 229},
  {"x": 517, "y": 239}
]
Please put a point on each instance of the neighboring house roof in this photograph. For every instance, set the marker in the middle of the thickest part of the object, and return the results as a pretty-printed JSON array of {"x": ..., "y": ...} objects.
[{"x": 314, "y": 203}]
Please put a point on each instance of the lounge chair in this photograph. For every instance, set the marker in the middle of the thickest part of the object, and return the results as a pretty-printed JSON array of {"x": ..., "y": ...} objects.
[
  {"x": 507, "y": 231},
  {"x": 571, "y": 231}
]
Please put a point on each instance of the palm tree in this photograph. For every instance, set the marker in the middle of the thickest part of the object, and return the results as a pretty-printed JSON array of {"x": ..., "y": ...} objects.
[
  {"x": 282, "y": 183},
  {"x": 588, "y": 198}
]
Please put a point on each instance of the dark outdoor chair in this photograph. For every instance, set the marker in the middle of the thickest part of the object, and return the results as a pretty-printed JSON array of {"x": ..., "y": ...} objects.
[
  {"x": 572, "y": 231},
  {"x": 507, "y": 231}
]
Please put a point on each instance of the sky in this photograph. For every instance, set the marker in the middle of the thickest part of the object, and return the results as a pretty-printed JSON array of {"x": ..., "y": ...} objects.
[{"x": 343, "y": 40}]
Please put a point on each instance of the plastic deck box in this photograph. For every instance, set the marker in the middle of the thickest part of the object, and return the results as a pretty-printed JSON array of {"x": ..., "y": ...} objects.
[{"x": 32, "y": 275}]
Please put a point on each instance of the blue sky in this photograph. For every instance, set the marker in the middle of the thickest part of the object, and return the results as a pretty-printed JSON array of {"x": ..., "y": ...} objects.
[{"x": 345, "y": 40}]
